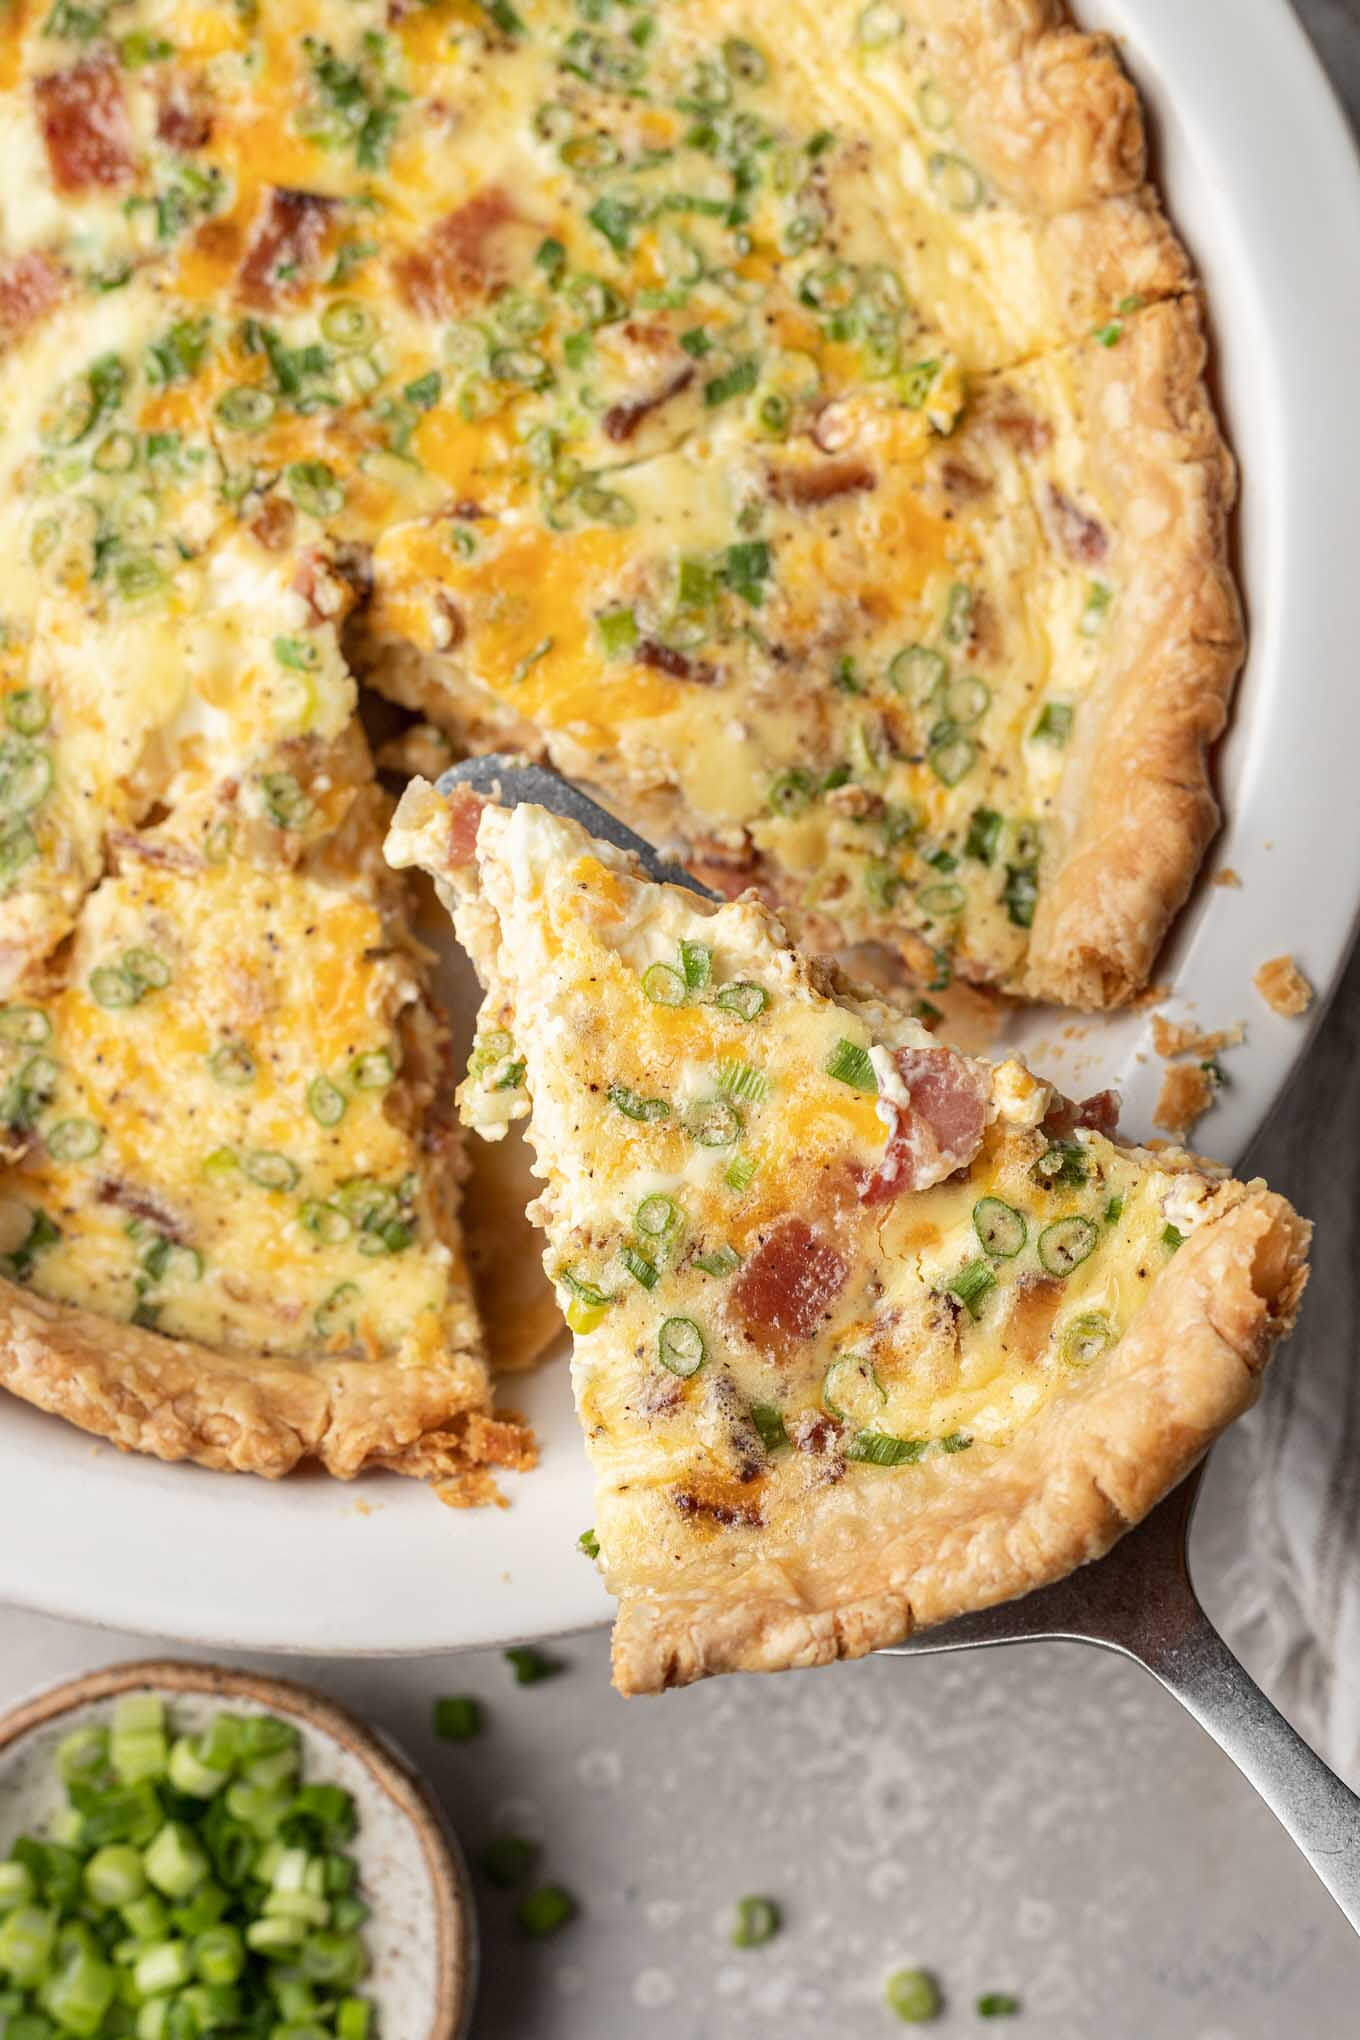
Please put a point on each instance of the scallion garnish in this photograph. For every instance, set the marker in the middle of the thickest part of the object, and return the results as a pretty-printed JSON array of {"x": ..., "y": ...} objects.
[
  {"x": 1172, "y": 1237},
  {"x": 713, "y": 1122},
  {"x": 680, "y": 1346},
  {"x": 880, "y": 1448},
  {"x": 326, "y": 1102},
  {"x": 1066, "y": 1243},
  {"x": 720, "y": 1262},
  {"x": 757, "y": 1921},
  {"x": 507, "y": 1860},
  {"x": 1000, "y": 1228},
  {"x": 663, "y": 985},
  {"x": 634, "y": 1106},
  {"x": 745, "y": 1000},
  {"x": 740, "y": 1080},
  {"x": 769, "y": 1422},
  {"x": 913, "y": 1995},
  {"x": 545, "y": 1910},
  {"x": 639, "y": 1267},
  {"x": 1055, "y": 723},
  {"x": 588, "y": 1543},
  {"x": 531, "y": 1667},
  {"x": 457, "y": 1717},
  {"x": 696, "y": 962},
  {"x": 850, "y": 1063},
  {"x": 997, "y": 2004}
]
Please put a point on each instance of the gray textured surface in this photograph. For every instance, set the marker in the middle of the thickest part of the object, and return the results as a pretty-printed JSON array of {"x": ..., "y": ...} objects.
[{"x": 1040, "y": 1820}]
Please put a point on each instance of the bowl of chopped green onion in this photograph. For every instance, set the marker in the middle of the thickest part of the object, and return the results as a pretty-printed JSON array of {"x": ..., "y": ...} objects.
[{"x": 187, "y": 1851}]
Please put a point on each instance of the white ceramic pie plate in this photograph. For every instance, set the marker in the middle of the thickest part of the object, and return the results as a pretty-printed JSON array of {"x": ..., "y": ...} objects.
[{"x": 1261, "y": 177}]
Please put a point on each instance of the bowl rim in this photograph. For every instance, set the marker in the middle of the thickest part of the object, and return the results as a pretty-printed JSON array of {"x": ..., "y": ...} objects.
[{"x": 391, "y": 1770}]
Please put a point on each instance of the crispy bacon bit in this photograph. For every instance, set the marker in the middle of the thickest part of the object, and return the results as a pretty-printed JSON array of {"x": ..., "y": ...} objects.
[
  {"x": 806, "y": 487},
  {"x": 154, "y": 850},
  {"x": 815, "y": 1432},
  {"x": 142, "y": 1204},
  {"x": 273, "y": 523},
  {"x": 29, "y": 286},
  {"x": 962, "y": 483},
  {"x": 184, "y": 119},
  {"x": 1284, "y": 987},
  {"x": 788, "y": 1285},
  {"x": 984, "y": 629},
  {"x": 1081, "y": 536},
  {"x": 1099, "y": 1113},
  {"x": 85, "y": 125},
  {"x": 665, "y": 659},
  {"x": 940, "y": 1130},
  {"x": 621, "y": 421},
  {"x": 1021, "y": 430},
  {"x": 284, "y": 246},
  {"x": 460, "y": 257},
  {"x": 465, "y": 816}
]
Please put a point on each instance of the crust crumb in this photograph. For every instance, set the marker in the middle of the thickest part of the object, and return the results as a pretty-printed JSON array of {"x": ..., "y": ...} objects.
[
  {"x": 1284, "y": 987},
  {"x": 1170, "y": 1038},
  {"x": 1188, "y": 1090},
  {"x": 1225, "y": 875}
]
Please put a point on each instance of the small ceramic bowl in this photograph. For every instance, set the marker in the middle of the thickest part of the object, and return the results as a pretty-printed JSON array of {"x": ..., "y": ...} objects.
[{"x": 422, "y": 1935}]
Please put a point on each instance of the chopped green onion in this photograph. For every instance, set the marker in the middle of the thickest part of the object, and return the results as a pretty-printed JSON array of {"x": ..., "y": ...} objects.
[
  {"x": 850, "y": 1063},
  {"x": 741, "y": 1172},
  {"x": 270, "y": 1170},
  {"x": 696, "y": 961},
  {"x": 314, "y": 487},
  {"x": 770, "y": 1423},
  {"x": 530, "y": 1666},
  {"x": 956, "y": 1441},
  {"x": 740, "y": 1080},
  {"x": 758, "y": 1921},
  {"x": 792, "y": 791},
  {"x": 24, "y": 1023},
  {"x": 639, "y": 1267},
  {"x": 1085, "y": 1338},
  {"x": 680, "y": 1346},
  {"x": 1000, "y": 1228},
  {"x": 175, "y": 1863},
  {"x": 1098, "y": 600},
  {"x": 507, "y": 1860},
  {"x": 939, "y": 902},
  {"x": 955, "y": 181},
  {"x": 971, "y": 1284},
  {"x": 997, "y": 2004},
  {"x": 74, "y": 1140},
  {"x": 880, "y": 1448},
  {"x": 657, "y": 1216},
  {"x": 545, "y": 1910},
  {"x": 1065, "y": 1244},
  {"x": 634, "y": 1106},
  {"x": 326, "y": 1101},
  {"x": 1055, "y": 723},
  {"x": 457, "y": 1717},
  {"x": 713, "y": 1122},
  {"x": 663, "y": 985},
  {"x": 1020, "y": 894},
  {"x": 1114, "y": 1210},
  {"x": 984, "y": 834},
  {"x": 618, "y": 632},
  {"x": 112, "y": 988},
  {"x": 1172, "y": 1237},
  {"x": 28, "y": 711},
  {"x": 913, "y": 1995},
  {"x": 745, "y": 1000},
  {"x": 1063, "y": 1161},
  {"x": 952, "y": 758},
  {"x": 245, "y": 408},
  {"x": 852, "y": 1391},
  {"x": 588, "y": 1543},
  {"x": 878, "y": 23},
  {"x": 919, "y": 673},
  {"x": 738, "y": 381}
]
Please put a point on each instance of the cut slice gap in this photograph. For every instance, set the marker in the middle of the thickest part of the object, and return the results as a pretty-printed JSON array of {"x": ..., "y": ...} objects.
[{"x": 869, "y": 1333}]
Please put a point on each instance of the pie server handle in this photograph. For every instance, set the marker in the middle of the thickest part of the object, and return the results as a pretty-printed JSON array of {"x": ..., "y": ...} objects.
[{"x": 1138, "y": 1599}]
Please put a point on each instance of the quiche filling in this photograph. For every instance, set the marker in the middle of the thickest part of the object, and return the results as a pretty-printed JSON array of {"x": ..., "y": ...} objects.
[
  {"x": 743, "y": 415},
  {"x": 817, "y": 1265}
]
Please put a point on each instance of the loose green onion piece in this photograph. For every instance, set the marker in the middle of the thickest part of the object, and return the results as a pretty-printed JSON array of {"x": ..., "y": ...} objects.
[
  {"x": 114, "y": 1875},
  {"x": 1000, "y": 1228},
  {"x": 713, "y": 1122},
  {"x": 588, "y": 1543},
  {"x": 1114, "y": 1210},
  {"x": 326, "y": 1101},
  {"x": 296, "y": 654},
  {"x": 1085, "y": 1338},
  {"x": 880, "y": 1448},
  {"x": 850, "y": 1063},
  {"x": 657, "y": 1216},
  {"x": 741, "y": 1172},
  {"x": 745, "y": 61},
  {"x": 457, "y": 1717},
  {"x": 507, "y": 1860},
  {"x": 663, "y": 985},
  {"x": 189, "y": 1773},
  {"x": 997, "y": 2004},
  {"x": 74, "y": 1140},
  {"x": 984, "y": 834},
  {"x": 914, "y": 1996},
  {"x": 639, "y": 1267},
  {"x": 1066, "y": 1243},
  {"x": 545, "y": 1910},
  {"x": 680, "y": 1346},
  {"x": 353, "y": 2019},
  {"x": 175, "y": 1863},
  {"x": 758, "y": 1921},
  {"x": 745, "y": 1000},
  {"x": 770, "y": 1423},
  {"x": 696, "y": 961},
  {"x": 971, "y": 1284},
  {"x": 1063, "y": 1162},
  {"x": 1172, "y": 1237},
  {"x": 740, "y": 1080},
  {"x": 531, "y": 1666},
  {"x": 17, "y": 1885},
  {"x": 633, "y": 1106},
  {"x": 27, "y": 1937},
  {"x": 1055, "y": 723}
]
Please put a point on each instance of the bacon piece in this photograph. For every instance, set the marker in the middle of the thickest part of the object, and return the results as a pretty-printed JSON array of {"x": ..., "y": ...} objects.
[
  {"x": 718, "y": 1508},
  {"x": 1100, "y": 1113},
  {"x": 143, "y": 1204},
  {"x": 85, "y": 125},
  {"x": 940, "y": 1130},
  {"x": 1081, "y": 536},
  {"x": 287, "y": 237},
  {"x": 184, "y": 118},
  {"x": 665, "y": 659},
  {"x": 1022, "y": 431},
  {"x": 29, "y": 287},
  {"x": 621, "y": 421},
  {"x": 806, "y": 487},
  {"x": 465, "y": 816},
  {"x": 154, "y": 850},
  {"x": 273, "y": 523},
  {"x": 788, "y": 1285},
  {"x": 462, "y": 256},
  {"x": 963, "y": 483}
]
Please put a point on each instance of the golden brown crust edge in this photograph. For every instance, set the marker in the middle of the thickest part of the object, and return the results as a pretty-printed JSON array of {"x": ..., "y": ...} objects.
[
  {"x": 1139, "y": 810},
  {"x": 251, "y": 1413},
  {"x": 879, "y": 1562}
]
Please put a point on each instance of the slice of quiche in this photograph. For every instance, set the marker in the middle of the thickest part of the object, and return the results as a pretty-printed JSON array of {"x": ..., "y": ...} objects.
[
  {"x": 228, "y": 1206},
  {"x": 868, "y": 1332}
]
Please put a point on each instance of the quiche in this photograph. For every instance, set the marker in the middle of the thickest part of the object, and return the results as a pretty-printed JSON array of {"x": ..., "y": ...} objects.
[
  {"x": 792, "y": 423},
  {"x": 867, "y": 1332}
]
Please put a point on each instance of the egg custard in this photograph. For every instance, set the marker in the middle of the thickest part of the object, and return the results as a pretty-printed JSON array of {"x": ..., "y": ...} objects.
[{"x": 867, "y": 1332}]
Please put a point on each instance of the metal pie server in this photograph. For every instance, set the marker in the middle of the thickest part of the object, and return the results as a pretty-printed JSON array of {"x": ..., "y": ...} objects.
[{"x": 1138, "y": 1599}]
